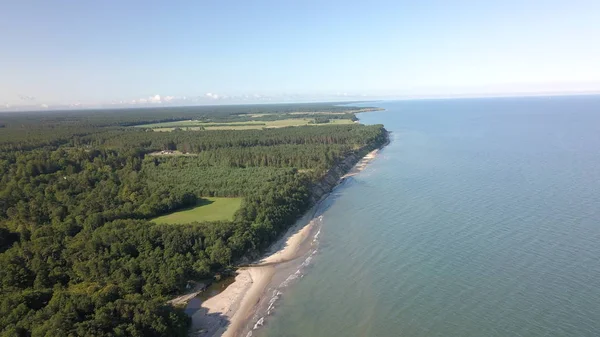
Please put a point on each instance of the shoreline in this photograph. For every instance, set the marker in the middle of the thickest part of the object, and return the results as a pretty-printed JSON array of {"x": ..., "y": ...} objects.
[{"x": 227, "y": 313}]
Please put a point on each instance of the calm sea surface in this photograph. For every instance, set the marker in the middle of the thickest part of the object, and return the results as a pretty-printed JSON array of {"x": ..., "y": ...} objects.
[{"x": 481, "y": 218}]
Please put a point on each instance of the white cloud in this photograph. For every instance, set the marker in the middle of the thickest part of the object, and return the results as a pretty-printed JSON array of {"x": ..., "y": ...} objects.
[
  {"x": 45, "y": 106},
  {"x": 154, "y": 99},
  {"x": 143, "y": 100},
  {"x": 169, "y": 98},
  {"x": 211, "y": 95}
]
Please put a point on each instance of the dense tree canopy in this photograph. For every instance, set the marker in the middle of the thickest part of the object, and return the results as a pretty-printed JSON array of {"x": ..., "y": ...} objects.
[{"x": 78, "y": 256}]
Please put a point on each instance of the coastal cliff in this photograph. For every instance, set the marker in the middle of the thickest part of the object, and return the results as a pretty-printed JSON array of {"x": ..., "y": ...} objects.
[
  {"x": 335, "y": 175},
  {"x": 332, "y": 177}
]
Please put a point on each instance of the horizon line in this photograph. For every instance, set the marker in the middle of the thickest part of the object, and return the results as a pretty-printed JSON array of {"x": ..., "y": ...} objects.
[{"x": 364, "y": 99}]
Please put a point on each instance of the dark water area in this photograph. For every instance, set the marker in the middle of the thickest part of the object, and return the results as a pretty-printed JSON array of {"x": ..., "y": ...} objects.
[{"x": 481, "y": 218}]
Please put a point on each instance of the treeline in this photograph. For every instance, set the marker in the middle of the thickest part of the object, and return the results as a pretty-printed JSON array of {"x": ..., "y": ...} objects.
[
  {"x": 78, "y": 256},
  {"x": 321, "y": 120},
  {"x": 198, "y": 141}
]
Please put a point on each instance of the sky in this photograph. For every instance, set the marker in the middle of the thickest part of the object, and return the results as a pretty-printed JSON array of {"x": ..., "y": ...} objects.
[{"x": 92, "y": 52}]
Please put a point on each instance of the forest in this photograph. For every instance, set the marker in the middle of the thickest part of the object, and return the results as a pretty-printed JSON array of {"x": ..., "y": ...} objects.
[{"x": 79, "y": 255}]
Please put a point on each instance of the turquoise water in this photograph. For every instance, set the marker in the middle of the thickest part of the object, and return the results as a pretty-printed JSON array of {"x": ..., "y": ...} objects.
[{"x": 481, "y": 218}]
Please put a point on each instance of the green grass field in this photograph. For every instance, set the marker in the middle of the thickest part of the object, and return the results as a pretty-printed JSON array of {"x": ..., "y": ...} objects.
[
  {"x": 248, "y": 125},
  {"x": 208, "y": 209}
]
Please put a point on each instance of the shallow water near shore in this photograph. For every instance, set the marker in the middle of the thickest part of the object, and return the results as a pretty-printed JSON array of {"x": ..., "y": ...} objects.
[{"x": 481, "y": 218}]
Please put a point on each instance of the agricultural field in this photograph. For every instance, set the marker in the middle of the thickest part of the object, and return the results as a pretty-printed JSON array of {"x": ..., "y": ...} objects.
[
  {"x": 194, "y": 125},
  {"x": 208, "y": 209}
]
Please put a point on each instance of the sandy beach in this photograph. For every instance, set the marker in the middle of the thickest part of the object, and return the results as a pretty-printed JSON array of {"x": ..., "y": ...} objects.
[{"x": 226, "y": 313}]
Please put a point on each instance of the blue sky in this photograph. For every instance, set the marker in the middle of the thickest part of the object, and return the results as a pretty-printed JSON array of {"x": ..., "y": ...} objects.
[{"x": 102, "y": 51}]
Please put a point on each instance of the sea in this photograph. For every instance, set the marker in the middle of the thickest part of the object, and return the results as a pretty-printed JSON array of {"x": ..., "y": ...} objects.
[{"x": 480, "y": 218}]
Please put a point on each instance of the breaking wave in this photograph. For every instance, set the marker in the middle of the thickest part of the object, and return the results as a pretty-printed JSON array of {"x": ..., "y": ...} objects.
[{"x": 277, "y": 292}]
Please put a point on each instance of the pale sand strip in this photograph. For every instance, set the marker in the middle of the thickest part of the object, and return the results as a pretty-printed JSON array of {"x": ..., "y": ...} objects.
[
  {"x": 238, "y": 301},
  {"x": 262, "y": 273},
  {"x": 362, "y": 163}
]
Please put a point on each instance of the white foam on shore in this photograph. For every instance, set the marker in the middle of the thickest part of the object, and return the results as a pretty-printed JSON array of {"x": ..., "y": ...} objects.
[
  {"x": 299, "y": 273},
  {"x": 260, "y": 323},
  {"x": 316, "y": 237}
]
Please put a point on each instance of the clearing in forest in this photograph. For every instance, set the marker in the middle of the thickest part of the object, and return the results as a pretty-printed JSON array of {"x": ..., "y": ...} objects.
[{"x": 207, "y": 209}]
